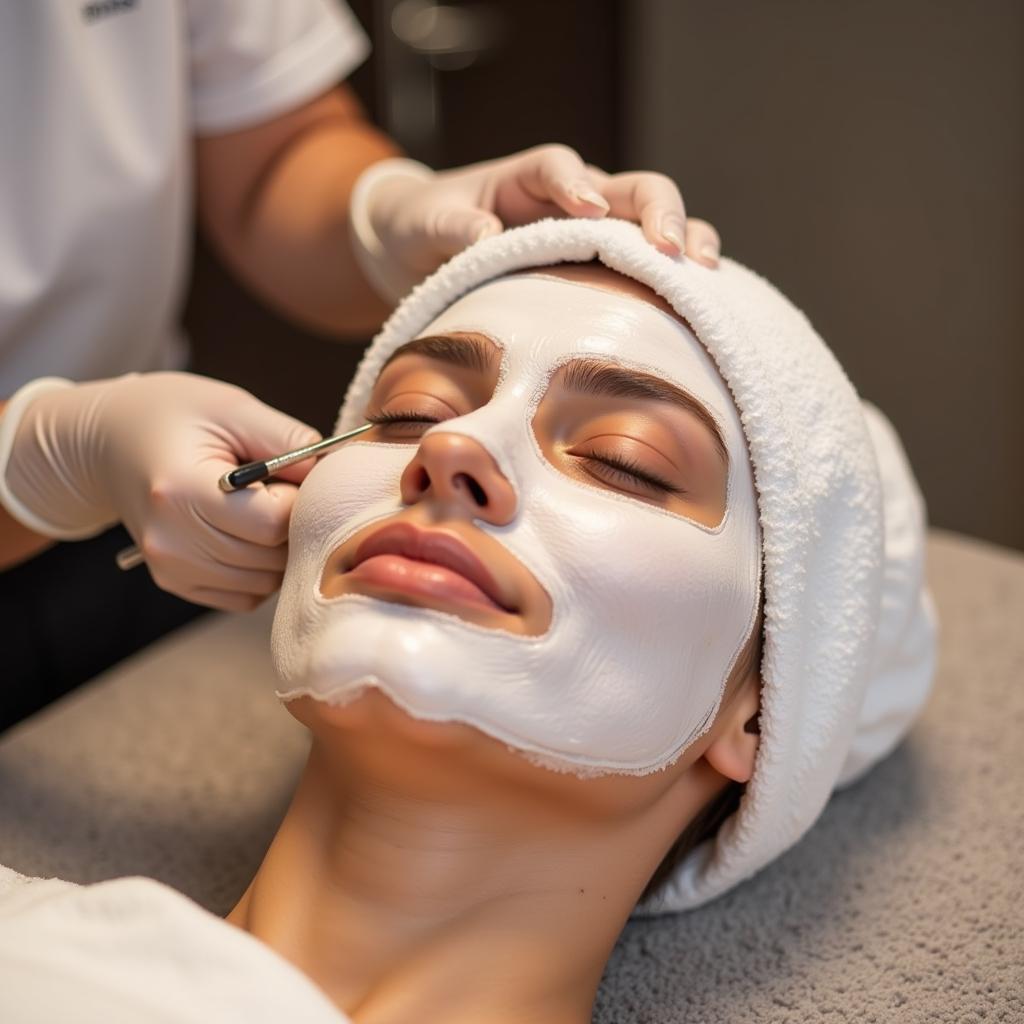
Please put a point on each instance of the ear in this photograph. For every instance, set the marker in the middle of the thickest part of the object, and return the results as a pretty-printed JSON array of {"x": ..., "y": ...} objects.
[{"x": 732, "y": 751}]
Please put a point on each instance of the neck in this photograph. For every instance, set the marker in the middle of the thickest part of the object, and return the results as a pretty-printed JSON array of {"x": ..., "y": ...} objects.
[{"x": 403, "y": 888}]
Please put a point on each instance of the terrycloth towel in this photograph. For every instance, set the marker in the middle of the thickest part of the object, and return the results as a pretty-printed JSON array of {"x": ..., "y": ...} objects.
[
  {"x": 134, "y": 950},
  {"x": 849, "y": 645}
]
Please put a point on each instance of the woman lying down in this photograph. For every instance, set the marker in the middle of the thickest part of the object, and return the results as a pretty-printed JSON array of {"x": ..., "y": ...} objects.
[{"x": 623, "y": 582}]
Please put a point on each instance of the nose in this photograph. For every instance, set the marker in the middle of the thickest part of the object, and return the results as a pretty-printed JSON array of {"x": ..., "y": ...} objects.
[{"x": 460, "y": 474}]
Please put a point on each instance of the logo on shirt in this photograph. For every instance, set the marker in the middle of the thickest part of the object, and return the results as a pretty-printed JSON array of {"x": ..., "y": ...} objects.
[{"x": 102, "y": 8}]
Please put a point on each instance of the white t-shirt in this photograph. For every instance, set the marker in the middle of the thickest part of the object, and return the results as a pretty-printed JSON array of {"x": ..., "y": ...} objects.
[
  {"x": 135, "y": 950},
  {"x": 99, "y": 102}
]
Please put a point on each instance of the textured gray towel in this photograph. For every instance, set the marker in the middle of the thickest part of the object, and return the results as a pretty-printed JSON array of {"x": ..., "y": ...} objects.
[{"x": 903, "y": 903}]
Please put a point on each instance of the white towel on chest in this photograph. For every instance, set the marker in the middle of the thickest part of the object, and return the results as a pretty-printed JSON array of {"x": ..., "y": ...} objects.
[
  {"x": 134, "y": 950},
  {"x": 849, "y": 629}
]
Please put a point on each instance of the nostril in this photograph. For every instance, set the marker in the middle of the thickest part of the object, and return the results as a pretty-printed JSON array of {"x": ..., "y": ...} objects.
[
  {"x": 479, "y": 495},
  {"x": 422, "y": 481}
]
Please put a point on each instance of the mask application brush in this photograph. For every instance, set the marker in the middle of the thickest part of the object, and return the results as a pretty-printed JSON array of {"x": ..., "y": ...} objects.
[{"x": 254, "y": 472}]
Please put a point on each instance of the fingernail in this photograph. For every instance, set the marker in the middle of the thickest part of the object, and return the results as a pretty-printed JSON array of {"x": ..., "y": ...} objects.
[
  {"x": 673, "y": 231},
  {"x": 709, "y": 252},
  {"x": 673, "y": 236},
  {"x": 485, "y": 230},
  {"x": 586, "y": 194}
]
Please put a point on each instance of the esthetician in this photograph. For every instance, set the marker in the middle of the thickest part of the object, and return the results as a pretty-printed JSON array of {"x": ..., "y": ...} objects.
[{"x": 119, "y": 116}]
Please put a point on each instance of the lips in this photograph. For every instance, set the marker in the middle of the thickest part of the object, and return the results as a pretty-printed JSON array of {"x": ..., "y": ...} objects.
[{"x": 407, "y": 544}]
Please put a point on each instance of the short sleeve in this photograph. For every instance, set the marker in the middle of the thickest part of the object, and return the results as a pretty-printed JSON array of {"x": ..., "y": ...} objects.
[{"x": 250, "y": 60}]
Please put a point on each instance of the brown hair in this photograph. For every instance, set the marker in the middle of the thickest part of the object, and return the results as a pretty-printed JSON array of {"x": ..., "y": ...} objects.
[{"x": 708, "y": 820}]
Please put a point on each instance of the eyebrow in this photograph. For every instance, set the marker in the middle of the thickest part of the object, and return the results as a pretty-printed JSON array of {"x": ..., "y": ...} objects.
[
  {"x": 594, "y": 377},
  {"x": 469, "y": 351}
]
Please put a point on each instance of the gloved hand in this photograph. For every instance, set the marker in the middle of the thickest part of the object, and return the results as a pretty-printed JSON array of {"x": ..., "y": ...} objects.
[
  {"x": 148, "y": 450},
  {"x": 406, "y": 220}
]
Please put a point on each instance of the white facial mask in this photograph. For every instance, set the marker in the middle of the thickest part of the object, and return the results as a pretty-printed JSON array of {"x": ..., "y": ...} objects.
[{"x": 649, "y": 609}]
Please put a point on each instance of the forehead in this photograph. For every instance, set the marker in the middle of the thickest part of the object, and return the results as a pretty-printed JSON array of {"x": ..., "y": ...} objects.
[
  {"x": 598, "y": 275},
  {"x": 541, "y": 321}
]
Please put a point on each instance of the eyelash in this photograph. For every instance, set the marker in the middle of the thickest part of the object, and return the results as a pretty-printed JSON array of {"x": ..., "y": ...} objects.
[
  {"x": 385, "y": 419},
  {"x": 623, "y": 467},
  {"x": 612, "y": 464}
]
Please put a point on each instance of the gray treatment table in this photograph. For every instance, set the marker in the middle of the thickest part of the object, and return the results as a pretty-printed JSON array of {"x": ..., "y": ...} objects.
[{"x": 904, "y": 903}]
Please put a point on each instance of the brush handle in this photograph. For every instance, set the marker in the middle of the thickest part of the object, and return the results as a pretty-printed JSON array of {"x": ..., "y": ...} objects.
[
  {"x": 250, "y": 473},
  {"x": 253, "y": 472}
]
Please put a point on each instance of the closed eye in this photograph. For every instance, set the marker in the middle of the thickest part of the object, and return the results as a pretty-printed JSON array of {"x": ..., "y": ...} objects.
[
  {"x": 398, "y": 420},
  {"x": 621, "y": 468}
]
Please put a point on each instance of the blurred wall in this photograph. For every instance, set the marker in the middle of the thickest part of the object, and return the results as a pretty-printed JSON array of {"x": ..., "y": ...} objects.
[{"x": 869, "y": 159}]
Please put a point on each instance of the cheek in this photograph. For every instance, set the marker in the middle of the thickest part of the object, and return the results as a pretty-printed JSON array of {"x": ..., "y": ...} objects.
[
  {"x": 346, "y": 488},
  {"x": 627, "y": 563}
]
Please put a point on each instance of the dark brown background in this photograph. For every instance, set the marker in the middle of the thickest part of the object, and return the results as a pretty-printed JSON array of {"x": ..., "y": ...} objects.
[{"x": 867, "y": 157}]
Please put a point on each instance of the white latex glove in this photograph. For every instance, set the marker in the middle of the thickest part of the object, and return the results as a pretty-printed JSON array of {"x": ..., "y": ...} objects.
[
  {"x": 148, "y": 450},
  {"x": 406, "y": 220}
]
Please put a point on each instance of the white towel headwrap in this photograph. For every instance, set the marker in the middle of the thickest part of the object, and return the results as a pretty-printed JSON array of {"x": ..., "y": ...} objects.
[{"x": 849, "y": 627}]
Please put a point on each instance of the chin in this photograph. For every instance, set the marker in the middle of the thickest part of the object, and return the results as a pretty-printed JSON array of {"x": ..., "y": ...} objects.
[
  {"x": 437, "y": 759},
  {"x": 371, "y": 737},
  {"x": 372, "y": 715}
]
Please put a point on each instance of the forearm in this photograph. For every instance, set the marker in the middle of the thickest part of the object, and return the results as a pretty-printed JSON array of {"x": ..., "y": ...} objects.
[
  {"x": 285, "y": 229},
  {"x": 299, "y": 248},
  {"x": 18, "y": 543}
]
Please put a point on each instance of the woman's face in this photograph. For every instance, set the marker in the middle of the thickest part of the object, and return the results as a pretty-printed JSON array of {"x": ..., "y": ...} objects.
[{"x": 550, "y": 534}]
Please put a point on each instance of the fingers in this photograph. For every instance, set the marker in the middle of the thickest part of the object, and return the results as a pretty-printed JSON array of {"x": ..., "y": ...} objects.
[
  {"x": 225, "y": 600},
  {"x": 453, "y": 228},
  {"x": 557, "y": 174},
  {"x": 654, "y": 201},
  {"x": 219, "y": 548},
  {"x": 702, "y": 242},
  {"x": 260, "y": 432},
  {"x": 552, "y": 181},
  {"x": 257, "y": 514},
  {"x": 203, "y": 539},
  {"x": 186, "y": 571},
  {"x": 243, "y": 582}
]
